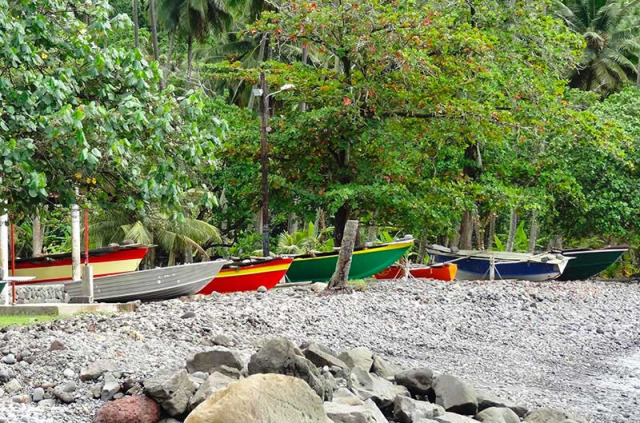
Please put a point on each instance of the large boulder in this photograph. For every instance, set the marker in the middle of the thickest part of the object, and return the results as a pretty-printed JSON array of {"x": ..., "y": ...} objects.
[
  {"x": 96, "y": 369},
  {"x": 417, "y": 381},
  {"x": 280, "y": 356},
  {"x": 172, "y": 389},
  {"x": 455, "y": 395},
  {"x": 213, "y": 384},
  {"x": 497, "y": 415},
  {"x": 487, "y": 400},
  {"x": 322, "y": 356},
  {"x": 207, "y": 360},
  {"x": 371, "y": 386},
  {"x": 382, "y": 368},
  {"x": 454, "y": 418},
  {"x": 262, "y": 398},
  {"x": 548, "y": 415},
  {"x": 407, "y": 410},
  {"x": 137, "y": 409},
  {"x": 361, "y": 357},
  {"x": 366, "y": 412}
]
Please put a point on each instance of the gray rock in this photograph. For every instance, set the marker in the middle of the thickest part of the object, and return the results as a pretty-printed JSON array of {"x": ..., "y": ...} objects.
[
  {"x": 207, "y": 360},
  {"x": 226, "y": 370},
  {"x": 548, "y": 415},
  {"x": 407, "y": 410},
  {"x": 21, "y": 399},
  {"x": 417, "y": 381},
  {"x": 5, "y": 376},
  {"x": 366, "y": 412},
  {"x": 497, "y": 415},
  {"x": 96, "y": 369},
  {"x": 487, "y": 399},
  {"x": 12, "y": 386},
  {"x": 223, "y": 340},
  {"x": 37, "y": 395},
  {"x": 322, "y": 356},
  {"x": 56, "y": 346},
  {"x": 172, "y": 389},
  {"x": 455, "y": 395},
  {"x": 371, "y": 386},
  {"x": 9, "y": 359},
  {"x": 66, "y": 397},
  {"x": 454, "y": 418},
  {"x": 69, "y": 374},
  {"x": 382, "y": 368},
  {"x": 169, "y": 420},
  {"x": 96, "y": 390},
  {"x": 213, "y": 384},
  {"x": 262, "y": 288},
  {"x": 280, "y": 356},
  {"x": 200, "y": 375},
  {"x": 109, "y": 388},
  {"x": 361, "y": 357},
  {"x": 345, "y": 396},
  {"x": 47, "y": 403},
  {"x": 67, "y": 387},
  {"x": 188, "y": 315}
]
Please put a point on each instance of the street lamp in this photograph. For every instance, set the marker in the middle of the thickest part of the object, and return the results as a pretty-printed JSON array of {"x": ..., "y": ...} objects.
[{"x": 263, "y": 93}]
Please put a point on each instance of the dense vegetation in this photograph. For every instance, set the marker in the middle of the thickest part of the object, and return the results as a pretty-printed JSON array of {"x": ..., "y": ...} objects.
[{"x": 478, "y": 123}]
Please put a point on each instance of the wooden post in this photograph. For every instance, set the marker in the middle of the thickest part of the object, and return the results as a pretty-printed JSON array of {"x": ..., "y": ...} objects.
[
  {"x": 37, "y": 238},
  {"x": 341, "y": 274},
  {"x": 264, "y": 111},
  {"x": 76, "y": 271},
  {"x": 533, "y": 231},
  {"x": 492, "y": 230},
  {"x": 513, "y": 225},
  {"x": 4, "y": 253}
]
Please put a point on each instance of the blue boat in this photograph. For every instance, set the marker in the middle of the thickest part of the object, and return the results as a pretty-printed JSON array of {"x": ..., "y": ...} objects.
[{"x": 477, "y": 265}]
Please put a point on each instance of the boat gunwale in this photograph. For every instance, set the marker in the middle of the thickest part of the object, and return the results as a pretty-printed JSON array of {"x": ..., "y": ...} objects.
[
  {"x": 96, "y": 252},
  {"x": 358, "y": 250}
]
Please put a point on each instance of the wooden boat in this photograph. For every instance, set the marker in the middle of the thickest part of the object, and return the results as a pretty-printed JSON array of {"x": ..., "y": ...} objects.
[
  {"x": 589, "y": 262},
  {"x": 248, "y": 275},
  {"x": 443, "y": 272},
  {"x": 366, "y": 262},
  {"x": 56, "y": 268},
  {"x": 476, "y": 265},
  {"x": 162, "y": 283}
]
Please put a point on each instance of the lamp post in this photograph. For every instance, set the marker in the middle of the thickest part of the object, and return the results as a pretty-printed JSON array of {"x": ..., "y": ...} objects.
[{"x": 263, "y": 93}]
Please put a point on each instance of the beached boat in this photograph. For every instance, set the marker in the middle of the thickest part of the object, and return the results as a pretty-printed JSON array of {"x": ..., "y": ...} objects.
[
  {"x": 476, "y": 265},
  {"x": 589, "y": 262},
  {"x": 248, "y": 275},
  {"x": 365, "y": 262},
  {"x": 443, "y": 272},
  {"x": 162, "y": 283},
  {"x": 56, "y": 268}
]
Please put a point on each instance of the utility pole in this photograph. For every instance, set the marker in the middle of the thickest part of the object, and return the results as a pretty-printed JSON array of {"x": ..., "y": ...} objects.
[{"x": 264, "y": 110}]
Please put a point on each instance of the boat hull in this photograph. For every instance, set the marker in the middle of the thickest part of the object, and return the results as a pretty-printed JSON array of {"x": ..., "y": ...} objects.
[
  {"x": 57, "y": 268},
  {"x": 473, "y": 268},
  {"x": 442, "y": 273},
  {"x": 588, "y": 263},
  {"x": 364, "y": 263},
  {"x": 157, "y": 284},
  {"x": 238, "y": 277}
]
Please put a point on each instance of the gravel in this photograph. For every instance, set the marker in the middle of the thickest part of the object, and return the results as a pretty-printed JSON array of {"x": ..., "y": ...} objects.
[{"x": 569, "y": 345}]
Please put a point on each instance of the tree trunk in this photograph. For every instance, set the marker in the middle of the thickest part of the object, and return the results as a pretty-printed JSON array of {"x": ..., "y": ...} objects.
[
  {"x": 341, "y": 217},
  {"x": 478, "y": 229},
  {"x": 136, "y": 26},
  {"x": 638, "y": 75},
  {"x": 341, "y": 274},
  {"x": 556, "y": 243},
  {"x": 533, "y": 234},
  {"x": 262, "y": 56},
  {"x": 455, "y": 241},
  {"x": 492, "y": 230},
  {"x": 188, "y": 254},
  {"x": 37, "y": 237},
  {"x": 513, "y": 224},
  {"x": 189, "y": 59},
  {"x": 167, "y": 65},
  {"x": 422, "y": 248},
  {"x": 321, "y": 221},
  {"x": 292, "y": 224},
  {"x": 466, "y": 231},
  {"x": 305, "y": 54},
  {"x": 154, "y": 28}
]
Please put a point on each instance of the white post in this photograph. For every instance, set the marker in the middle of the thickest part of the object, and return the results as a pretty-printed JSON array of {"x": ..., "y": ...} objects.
[
  {"x": 87, "y": 283},
  {"x": 76, "y": 273},
  {"x": 4, "y": 255},
  {"x": 492, "y": 267}
]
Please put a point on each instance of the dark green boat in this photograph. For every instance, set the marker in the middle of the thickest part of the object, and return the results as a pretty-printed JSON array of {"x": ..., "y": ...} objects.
[
  {"x": 366, "y": 262},
  {"x": 587, "y": 263}
]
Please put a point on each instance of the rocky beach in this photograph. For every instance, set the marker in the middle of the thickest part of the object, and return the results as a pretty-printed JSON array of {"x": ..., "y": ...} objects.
[{"x": 573, "y": 346}]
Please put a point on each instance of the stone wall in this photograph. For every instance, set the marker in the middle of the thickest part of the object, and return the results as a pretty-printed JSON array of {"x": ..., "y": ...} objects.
[{"x": 40, "y": 294}]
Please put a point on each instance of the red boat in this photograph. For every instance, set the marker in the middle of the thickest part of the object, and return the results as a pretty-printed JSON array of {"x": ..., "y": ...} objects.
[
  {"x": 55, "y": 268},
  {"x": 445, "y": 272},
  {"x": 248, "y": 275}
]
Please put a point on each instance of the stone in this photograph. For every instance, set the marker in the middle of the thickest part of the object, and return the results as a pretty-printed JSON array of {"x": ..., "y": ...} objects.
[
  {"x": 322, "y": 356},
  {"x": 56, "y": 346},
  {"x": 262, "y": 288},
  {"x": 262, "y": 398},
  {"x": 417, "y": 381},
  {"x": 279, "y": 355},
  {"x": 407, "y": 410},
  {"x": 226, "y": 370},
  {"x": 453, "y": 418},
  {"x": 21, "y": 399},
  {"x": 361, "y": 357},
  {"x": 346, "y": 397},
  {"x": 47, "y": 403},
  {"x": 96, "y": 369},
  {"x": 223, "y": 340},
  {"x": 5, "y": 375},
  {"x": 455, "y": 395},
  {"x": 12, "y": 386},
  {"x": 548, "y": 415},
  {"x": 37, "y": 395},
  {"x": 497, "y": 415},
  {"x": 67, "y": 387},
  {"x": 69, "y": 374},
  {"x": 66, "y": 397},
  {"x": 366, "y": 412},
  {"x": 371, "y": 386},
  {"x": 207, "y": 360},
  {"x": 487, "y": 399},
  {"x": 172, "y": 389},
  {"x": 137, "y": 409},
  {"x": 200, "y": 375},
  {"x": 382, "y": 368},
  {"x": 213, "y": 384},
  {"x": 188, "y": 315},
  {"x": 169, "y": 420},
  {"x": 109, "y": 388},
  {"x": 9, "y": 359}
]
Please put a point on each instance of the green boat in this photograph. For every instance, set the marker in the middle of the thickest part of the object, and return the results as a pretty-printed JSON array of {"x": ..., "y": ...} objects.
[
  {"x": 366, "y": 262},
  {"x": 587, "y": 263}
]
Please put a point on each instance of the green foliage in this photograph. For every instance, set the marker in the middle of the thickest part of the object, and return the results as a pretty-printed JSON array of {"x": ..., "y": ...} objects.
[{"x": 304, "y": 242}]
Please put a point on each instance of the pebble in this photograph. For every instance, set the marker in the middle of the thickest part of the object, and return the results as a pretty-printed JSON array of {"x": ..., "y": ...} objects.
[
  {"x": 9, "y": 359},
  {"x": 69, "y": 374}
]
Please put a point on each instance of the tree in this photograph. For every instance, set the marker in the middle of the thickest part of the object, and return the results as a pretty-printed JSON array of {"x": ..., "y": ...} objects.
[{"x": 612, "y": 42}]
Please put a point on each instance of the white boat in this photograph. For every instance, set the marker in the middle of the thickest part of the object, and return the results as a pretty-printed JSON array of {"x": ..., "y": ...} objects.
[{"x": 162, "y": 283}]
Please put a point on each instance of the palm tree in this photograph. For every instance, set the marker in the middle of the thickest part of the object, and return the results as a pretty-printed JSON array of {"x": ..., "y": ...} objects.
[{"x": 612, "y": 42}]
